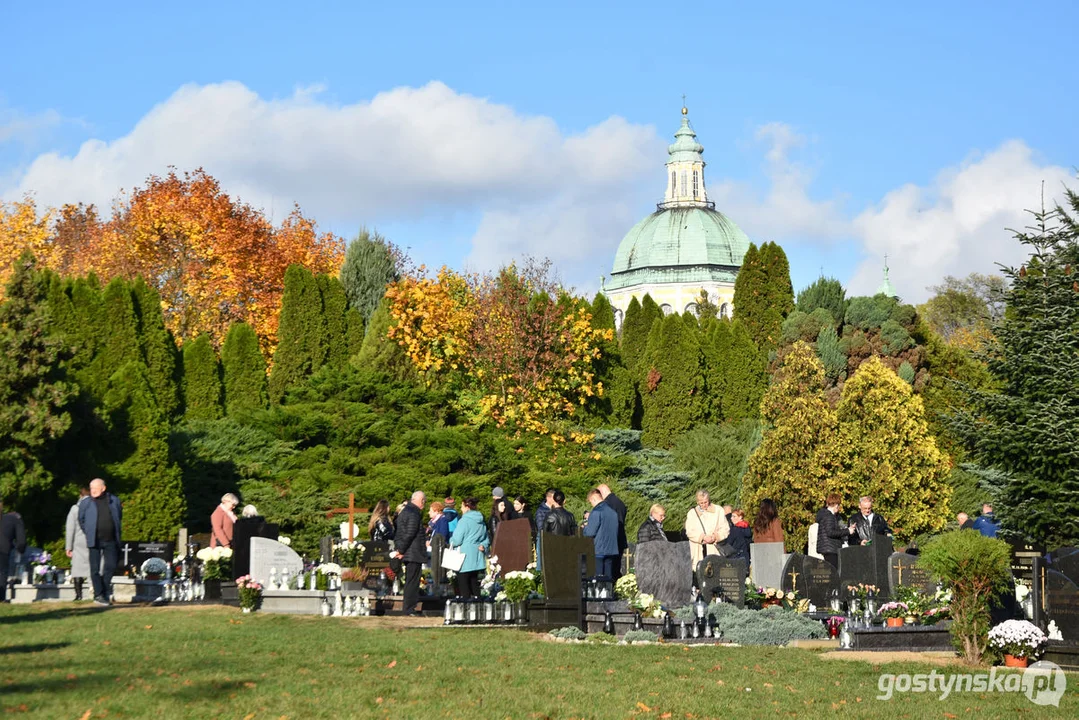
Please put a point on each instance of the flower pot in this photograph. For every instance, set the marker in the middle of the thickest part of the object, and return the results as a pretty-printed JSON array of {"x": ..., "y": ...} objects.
[
  {"x": 1015, "y": 662},
  {"x": 895, "y": 622}
]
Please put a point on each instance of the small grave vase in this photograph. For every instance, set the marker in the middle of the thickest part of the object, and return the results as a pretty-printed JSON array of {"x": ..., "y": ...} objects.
[
  {"x": 846, "y": 638},
  {"x": 522, "y": 612},
  {"x": 668, "y": 627},
  {"x": 1015, "y": 662},
  {"x": 608, "y": 623},
  {"x": 447, "y": 614},
  {"x": 894, "y": 622},
  {"x": 683, "y": 633},
  {"x": 637, "y": 623}
]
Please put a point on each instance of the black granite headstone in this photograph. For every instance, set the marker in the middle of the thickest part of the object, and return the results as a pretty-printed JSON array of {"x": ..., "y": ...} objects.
[
  {"x": 1023, "y": 554},
  {"x": 562, "y": 571},
  {"x": 866, "y": 564},
  {"x": 1062, "y": 605},
  {"x": 904, "y": 571},
  {"x": 665, "y": 570},
  {"x": 821, "y": 579},
  {"x": 724, "y": 578},
  {"x": 376, "y": 558},
  {"x": 325, "y": 546},
  {"x": 1066, "y": 562},
  {"x": 794, "y": 577},
  {"x": 136, "y": 552}
]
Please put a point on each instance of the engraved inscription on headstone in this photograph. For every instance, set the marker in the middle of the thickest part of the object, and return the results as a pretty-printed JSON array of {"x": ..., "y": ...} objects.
[
  {"x": 904, "y": 571},
  {"x": 664, "y": 570},
  {"x": 1023, "y": 554},
  {"x": 794, "y": 578},
  {"x": 821, "y": 578},
  {"x": 723, "y": 578},
  {"x": 866, "y": 564},
  {"x": 140, "y": 551},
  {"x": 1062, "y": 605},
  {"x": 269, "y": 554},
  {"x": 376, "y": 558}
]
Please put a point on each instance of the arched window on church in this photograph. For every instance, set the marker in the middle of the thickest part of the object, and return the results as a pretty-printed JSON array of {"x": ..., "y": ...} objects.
[
  {"x": 724, "y": 310},
  {"x": 684, "y": 188},
  {"x": 674, "y": 183},
  {"x": 692, "y": 308},
  {"x": 666, "y": 309},
  {"x": 696, "y": 194}
]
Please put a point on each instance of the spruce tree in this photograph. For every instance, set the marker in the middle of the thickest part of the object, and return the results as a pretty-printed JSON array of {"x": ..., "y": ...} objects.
[
  {"x": 763, "y": 295},
  {"x": 831, "y": 354},
  {"x": 745, "y": 374},
  {"x": 1028, "y": 431},
  {"x": 672, "y": 383},
  {"x": 244, "y": 370},
  {"x": 334, "y": 308},
  {"x": 202, "y": 380},
  {"x": 368, "y": 268},
  {"x": 827, "y": 293},
  {"x": 158, "y": 348},
  {"x": 34, "y": 393},
  {"x": 300, "y": 333}
]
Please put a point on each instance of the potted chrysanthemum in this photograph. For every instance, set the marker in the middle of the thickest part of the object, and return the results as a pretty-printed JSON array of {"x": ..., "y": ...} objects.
[
  {"x": 250, "y": 592},
  {"x": 895, "y": 613},
  {"x": 1018, "y": 641}
]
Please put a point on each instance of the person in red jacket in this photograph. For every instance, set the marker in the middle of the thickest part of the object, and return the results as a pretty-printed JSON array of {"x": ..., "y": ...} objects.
[{"x": 221, "y": 521}]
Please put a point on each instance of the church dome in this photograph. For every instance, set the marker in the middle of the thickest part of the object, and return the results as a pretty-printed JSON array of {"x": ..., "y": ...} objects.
[{"x": 686, "y": 240}]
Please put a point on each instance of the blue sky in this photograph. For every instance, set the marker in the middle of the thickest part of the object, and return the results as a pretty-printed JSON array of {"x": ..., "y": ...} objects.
[{"x": 475, "y": 134}]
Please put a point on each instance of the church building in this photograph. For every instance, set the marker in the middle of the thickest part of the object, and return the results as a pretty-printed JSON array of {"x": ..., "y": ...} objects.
[{"x": 684, "y": 247}]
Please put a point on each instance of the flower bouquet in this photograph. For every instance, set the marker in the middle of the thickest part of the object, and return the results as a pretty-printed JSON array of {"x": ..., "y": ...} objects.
[
  {"x": 647, "y": 605},
  {"x": 216, "y": 562},
  {"x": 626, "y": 587},
  {"x": 934, "y": 615},
  {"x": 324, "y": 573},
  {"x": 153, "y": 568},
  {"x": 1018, "y": 640},
  {"x": 893, "y": 612},
  {"x": 518, "y": 585},
  {"x": 349, "y": 554},
  {"x": 250, "y": 592}
]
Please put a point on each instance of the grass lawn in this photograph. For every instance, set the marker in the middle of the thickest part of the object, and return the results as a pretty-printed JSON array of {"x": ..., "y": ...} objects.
[{"x": 75, "y": 661}]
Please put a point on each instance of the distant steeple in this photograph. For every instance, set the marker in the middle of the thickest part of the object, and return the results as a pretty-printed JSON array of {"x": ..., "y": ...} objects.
[
  {"x": 886, "y": 286},
  {"x": 685, "y": 168}
]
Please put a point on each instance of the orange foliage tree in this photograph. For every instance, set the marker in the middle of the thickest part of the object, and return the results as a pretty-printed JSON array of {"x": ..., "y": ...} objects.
[{"x": 518, "y": 356}]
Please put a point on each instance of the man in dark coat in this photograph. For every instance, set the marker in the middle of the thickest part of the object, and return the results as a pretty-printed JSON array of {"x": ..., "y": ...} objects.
[
  {"x": 830, "y": 530},
  {"x": 615, "y": 503},
  {"x": 602, "y": 527},
  {"x": 12, "y": 537},
  {"x": 867, "y": 525},
  {"x": 559, "y": 520},
  {"x": 99, "y": 517},
  {"x": 964, "y": 521},
  {"x": 410, "y": 549},
  {"x": 651, "y": 530}
]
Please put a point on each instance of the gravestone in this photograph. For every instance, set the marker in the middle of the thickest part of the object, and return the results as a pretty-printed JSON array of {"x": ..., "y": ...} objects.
[
  {"x": 1066, "y": 562},
  {"x": 141, "y": 551},
  {"x": 766, "y": 566},
  {"x": 376, "y": 558},
  {"x": 794, "y": 577},
  {"x": 1023, "y": 554},
  {"x": 1062, "y": 605},
  {"x": 561, "y": 565},
  {"x": 267, "y": 554},
  {"x": 821, "y": 579},
  {"x": 325, "y": 549},
  {"x": 866, "y": 564},
  {"x": 723, "y": 577},
  {"x": 243, "y": 530},
  {"x": 438, "y": 575},
  {"x": 665, "y": 570},
  {"x": 513, "y": 544},
  {"x": 904, "y": 571}
]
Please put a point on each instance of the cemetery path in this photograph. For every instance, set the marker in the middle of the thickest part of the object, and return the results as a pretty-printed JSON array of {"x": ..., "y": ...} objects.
[{"x": 897, "y": 656}]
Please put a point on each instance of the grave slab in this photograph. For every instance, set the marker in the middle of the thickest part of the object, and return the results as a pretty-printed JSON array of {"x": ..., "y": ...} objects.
[
  {"x": 821, "y": 579},
  {"x": 723, "y": 578},
  {"x": 269, "y": 554},
  {"x": 562, "y": 571},
  {"x": 766, "y": 563},
  {"x": 866, "y": 564},
  {"x": 904, "y": 571},
  {"x": 665, "y": 570},
  {"x": 513, "y": 544}
]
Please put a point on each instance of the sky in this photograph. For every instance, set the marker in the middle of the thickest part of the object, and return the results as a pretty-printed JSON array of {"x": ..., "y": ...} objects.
[{"x": 474, "y": 134}]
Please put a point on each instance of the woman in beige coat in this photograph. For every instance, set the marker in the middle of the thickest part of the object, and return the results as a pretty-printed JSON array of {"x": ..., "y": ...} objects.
[{"x": 705, "y": 526}]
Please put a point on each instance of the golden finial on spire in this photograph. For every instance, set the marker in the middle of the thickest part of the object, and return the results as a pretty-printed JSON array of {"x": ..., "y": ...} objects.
[{"x": 685, "y": 111}]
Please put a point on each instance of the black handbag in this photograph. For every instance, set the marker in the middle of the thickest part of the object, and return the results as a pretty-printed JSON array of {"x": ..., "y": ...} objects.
[{"x": 723, "y": 548}]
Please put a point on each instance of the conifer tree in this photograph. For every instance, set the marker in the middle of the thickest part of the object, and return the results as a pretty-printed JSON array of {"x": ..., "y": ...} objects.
[
  {"x": 745, "y": 373},
  {"x": 118, "y": 342},
  {"x": 147, "y": 479},
  {"x": 715, "y": 340},
  {"x": 827, "y": 293},
  {"x": 202, "y": 380},
  {"x": 334, "y": 308},
  {"x": 379, "y": 352},
  {"x": 1028, "y": 432},
  {"x": 244, "y": 370},
  {"x": 34, "y": 394},
  {"x": 763, "y": 295},
  {"x": 354, "y": 331},
  {"x": 635, "y": 330},
  {"x": 300, "y": 333},
  {"x": 831, "y": 354},
  {"x": 158, "y": 348},
  {"x": 85, "y": 332},
  {"x": 672, "y": 383},
  {"x": 598, "y": 409},
  {"x": 368, "y": 268}
]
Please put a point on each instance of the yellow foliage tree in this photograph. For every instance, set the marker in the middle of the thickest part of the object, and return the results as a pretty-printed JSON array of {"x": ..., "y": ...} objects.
[{"x": 21, "y": 229}]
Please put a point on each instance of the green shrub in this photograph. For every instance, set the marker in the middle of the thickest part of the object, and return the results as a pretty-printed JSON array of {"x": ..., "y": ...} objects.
[
  {"x": 571, "y": 632},
  {"x": 601, "y": 639},
  {"x": 771, "y": 626},
  {"x": 640, "y": 636},
  {"x": 975, "y": 568}
]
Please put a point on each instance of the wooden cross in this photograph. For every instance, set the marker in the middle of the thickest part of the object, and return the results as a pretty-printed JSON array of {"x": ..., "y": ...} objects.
[{"x": 351, "y": 510}]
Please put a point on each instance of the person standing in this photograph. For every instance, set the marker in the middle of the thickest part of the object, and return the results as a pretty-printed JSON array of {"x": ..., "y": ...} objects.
[
  {"x": 964, "y": 521},
  {"x": 540, "y": 521},
  {"x": 741, "y": 536},
  {"x": 449, "y": 509},
  {"x": 766, "y": 526},
  {"x": 651, "y": 530},
  {"x": 12, "y": 537},
  {"x": 75, "y": 546},
  {"x": 615, "y": 503},
  {"x": 830, "y": 530},
  {"x": 380, "y": 527},
  {"x": 867, "y": 524},
  {"x": 602, "y": 527},
  {"x": 986, "y": 523},
  {"x": 410, "y": 549},
  {"x": 560, "y": 521},
  {"x": 221, "y": 521},
  {"x": 100, "y": 517},
  {"x": 470, "y": 536},
  {"x": 439, "y": 523},
  {"x": 705, "y": 527}
]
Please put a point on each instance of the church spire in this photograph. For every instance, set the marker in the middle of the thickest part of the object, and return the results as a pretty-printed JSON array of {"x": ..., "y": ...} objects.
[
  {"x": 685, "y": 168},
  {"x": 886, "y": 286}
]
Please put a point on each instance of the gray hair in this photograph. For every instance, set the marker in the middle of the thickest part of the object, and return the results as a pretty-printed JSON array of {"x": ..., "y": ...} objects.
[
  {"x": 230, "y": 498},
  {"x": 249, "y": 511}
]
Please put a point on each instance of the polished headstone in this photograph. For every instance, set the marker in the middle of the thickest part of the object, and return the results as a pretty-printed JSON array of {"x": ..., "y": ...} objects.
[
  {"x": 1062, "y": 605},
  {"x": 269, "y": 554},
  {"x": 724, "y": 578},
  {"x": 243, "y": 530},
  {"x": 766, "y": 563},
  {"x": 821, "y": 580},
  {"x": 794, "y": 577},
  {"x": 562, "y": 565},
  {"x": 866, "y": 564},
  {"x": 1023, "y": 554},
  {"x": 665, "y": 570},
  {"x": 904, "y": 571},
  {"x": 1066, "y": 561},
  {"x": 513, "y": 544},
  {"x": 139, "y": 551},
  {"x": 376, "y": 558}
]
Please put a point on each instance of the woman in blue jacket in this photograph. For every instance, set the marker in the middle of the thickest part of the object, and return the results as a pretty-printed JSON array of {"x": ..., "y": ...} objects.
[{"x": 470, "y": 536}]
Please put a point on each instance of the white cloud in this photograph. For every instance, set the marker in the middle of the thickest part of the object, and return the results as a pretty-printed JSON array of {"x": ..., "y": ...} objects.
[
  {"x": 958, "y": 224},
  {"x": 16, "y": 126}
]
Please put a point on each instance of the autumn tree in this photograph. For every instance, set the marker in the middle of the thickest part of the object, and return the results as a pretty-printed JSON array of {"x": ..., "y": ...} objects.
[
  {"x": 23, "y": 230},
  {"x": 244, "y": 371}
]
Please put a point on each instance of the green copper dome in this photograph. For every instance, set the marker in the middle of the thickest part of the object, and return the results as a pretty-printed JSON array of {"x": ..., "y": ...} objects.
[{"x": 680, "y": 244}]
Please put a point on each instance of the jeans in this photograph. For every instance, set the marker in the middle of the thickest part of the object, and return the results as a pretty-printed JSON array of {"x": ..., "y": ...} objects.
[
  {"x": 103, "y": 558},
  {"x": 605, "y": 565}
]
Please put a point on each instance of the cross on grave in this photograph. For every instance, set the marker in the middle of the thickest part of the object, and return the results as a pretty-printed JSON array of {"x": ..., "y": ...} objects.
[
  {"x": 127, "y": 549},
  {"x": 793, "y": 575},
  {"x": 899, "y": 570},
  {"x": 351, "y": 510}
]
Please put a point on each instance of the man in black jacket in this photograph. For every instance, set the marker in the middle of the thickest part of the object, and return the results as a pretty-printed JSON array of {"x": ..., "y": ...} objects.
[
  {"x": 867, "y": 525},
  {"x": 12, "y": 536},
  {"x": 651, "y": 530},
  {"x": 830, "y": 530},
  {"x": 100, "y": 515},
  {"x": 559, "y": 520},
  {"x": 410, "y": 548},
  {"x": 615, "y": 503}
]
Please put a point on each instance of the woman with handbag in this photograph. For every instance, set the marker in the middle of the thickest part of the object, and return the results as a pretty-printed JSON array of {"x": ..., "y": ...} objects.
[
  {"x": 470, "y": 537},
  {"x": 706, "y": 528}
]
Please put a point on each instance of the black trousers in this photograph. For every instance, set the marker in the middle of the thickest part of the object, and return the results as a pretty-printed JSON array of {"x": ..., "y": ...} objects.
[
  {"x": 4, "y": 558},
  {"x": 468, "y": 584},
  {"x": 413, "y": 570},
  {"x": 832, "y": 558},
  {"x": 103, "y": 558}
]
